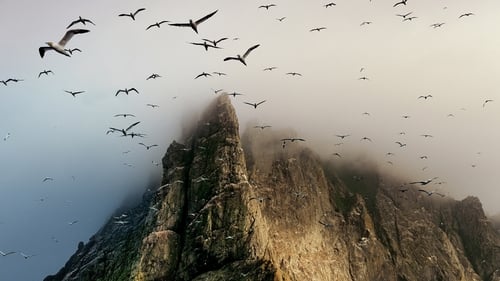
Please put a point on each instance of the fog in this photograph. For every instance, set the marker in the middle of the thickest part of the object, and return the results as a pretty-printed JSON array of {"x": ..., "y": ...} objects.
[{"x": 53, "y": 134}]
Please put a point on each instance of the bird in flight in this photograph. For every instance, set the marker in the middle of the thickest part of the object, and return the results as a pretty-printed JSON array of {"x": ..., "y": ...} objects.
[
  {"x": 426, "y": 136},
  {"x": 10, "y": 80},
  {"x": 466, "y": 15},
  {"x": 123, "y": 131},
  {"x": 425, "y": 97},
  {"x": 270, "y": 68},
  {"x": 366, "y": 138},
  {"x": 219, "y": 73},
  {"x": 71, "y": 51},
  {"x": 255, "y": 104},
  {"x": 124, "y": 115},
  {"x": 401, "y": 144},
  {"x": 216, "y": 91},
  {"x": 365, "y": 23},
  {"x": 242, "y": 58},
  {"x": 430, "y": 193},
  {"x": 234, "y": 94},
  {"x": 132, "y": 15},
  {"x": 425, "y": 182},
  {"x": 194, "y": 24},
  {"x": 204, "y": 74},
  {"x": 46, "y": 72},
  {"x": 152, "y": 105},
  {"x": 281, "y": 19},
  {"x": 25, "y": 256},
  {"x": 215, "y": 42},
  {"x": 293, "y": 74},
  {"x": 72, "y": 222},
  {"x": 317, "y": 29},
  {"x": 403, "y": 2},
  {"x": 291, "y": 140},
  {"x": 74, "y": 93},
  {"x": 4, "y": 254},
  {"x": 406, "y": 116},
  {"x": 363, "y": 78},
  {"x": 342, "y": 136},
  {"x": 262, "y": 127},
  {"x": 436, "y": 25},
  {"x": 80, "y": 20},
  {"x": 486, "y": 101},
  {"x": 126, "y": 91},
  {"x": 59, "y": 47},
  {"x": 404, "y": 15},
  {"x": 153, "y": 76},
  {"x": 205, "y": 45},
  {"x": 47, "y": 179},
  {"x": 267, "y": 6},
  {"x": 410, "y": 18},
  {"x": 148, "y": 146},
  {"x": 337, "y": 154},
  {"x": 157, "y": 24},
  {"x": 331, "y": 4}
]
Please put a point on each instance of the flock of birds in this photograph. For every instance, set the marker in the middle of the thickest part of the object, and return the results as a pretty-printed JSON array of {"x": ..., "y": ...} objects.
[{"x": 60, "y": 47}]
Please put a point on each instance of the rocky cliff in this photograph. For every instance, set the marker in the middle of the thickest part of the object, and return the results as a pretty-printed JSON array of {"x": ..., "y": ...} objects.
[{"x": 247, "y": 209}]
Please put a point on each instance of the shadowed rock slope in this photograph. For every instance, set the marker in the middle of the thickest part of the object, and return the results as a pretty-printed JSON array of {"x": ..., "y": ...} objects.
[{"x": 268, "y": 213}]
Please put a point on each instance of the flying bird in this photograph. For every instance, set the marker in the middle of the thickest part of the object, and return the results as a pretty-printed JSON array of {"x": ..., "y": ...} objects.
[
  {"x": 342, "y": 136},
  {"x": 148, "y": 146},
  {"x": 194, "y": 24},
  {"x": 242, "y": 58},
  {"x": 254, "y": 104},
  {"x": 410, "y": 18},
  {"x": 234, "y": 94},
  {"x": 425, "y": 182},
  {"x": 126, "y": 91},
  {"x": 331, "y": 4},
  {"x": 124, "y": 115},
  {"x": 262, "y": 127},
  {"x": 153, "y": 76},
  {"x": 486, "y": 101},
  {"x": 365, "y": 23},
  {"x": 7, "y": 136},
  {"x": 281, "y": 19},
  {"x": 4, "y": 254},
  {"x": 204, "y": 74},
  {"x": 72, "y": 222},
  {"x": 465, "y": 15},
  {"x": 215, "y": 42},
  {"x": 205, "y": 45},
  {"x": 46, "y": 72},
  {"x": 219, "y": 73},
  {"x": 366, "y": 138},
  {"x": 47, "y": 179},
  {"x": 363, "y": 78},
  {"x": 270, "y": 68},
  {"x": 132, "y": 15},
  {"x": 401, "y": 144},
  {"x": 336, "y": 154},
  {"x": 425, "y": 97},
  {"x": 294, "y": 74},
  {"x": 426, "y": 136},
  {"x": 152, "y": 105},
  {"x": 317, "y": 29},
  {"x": 403, "y": 2},
  {"x": 436, "y": 25},
  {"x": 71, "y": 51},
  {"x": 25, "y": 256},
  {"x": 430, "y": 193},
  {"x": 59, "y": 47},
  {"x": 267, "y": 6},
  {"x": 404, "y": 15},
  {"x": 157, "y": 24},
  {"x": 74, "y": 93},
  {"x": 80, "y": 20},
  {"x": 123, "y": 131}
]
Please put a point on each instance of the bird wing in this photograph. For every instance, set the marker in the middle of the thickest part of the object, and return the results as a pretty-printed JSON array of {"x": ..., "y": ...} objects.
[
  {"x": 150, "y": 26},
  {"x": 73, "y": 23},
  {"x": 179, "y": 24},
  {"x": 153, "y": 145},
  {"x": 163, "y": 21},
  {"x": 230, "y": 58},
  {"x": 139, "y": 10},
  {"x": 220, "y": 40},
  {"x": 133, "y": 89},
  {"x": 42, "y": 50},
  {"x": 130, "y": 127},
  {"x": 143, "y": 144},
  {"x": 205, "y": 17},
  {"x": 249, "y": 50},
  {"x": 119, "y": 91},
  {"x": 261, "y": 102},
  {"x": 252, "y": 104},
  {"x": 69, "y": 34},
  {"x": 125, "y": 15}
]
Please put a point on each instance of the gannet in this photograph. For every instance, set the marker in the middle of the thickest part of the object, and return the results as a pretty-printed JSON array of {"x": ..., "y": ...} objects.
[{"x": 59, "y": 47}]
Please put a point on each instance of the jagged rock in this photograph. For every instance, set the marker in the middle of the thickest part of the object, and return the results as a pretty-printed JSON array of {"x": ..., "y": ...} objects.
[{"x": 268, "y": 213}]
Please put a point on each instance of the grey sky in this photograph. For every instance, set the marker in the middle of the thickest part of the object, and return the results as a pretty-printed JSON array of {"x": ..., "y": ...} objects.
[{"x": 56, "y": 135}]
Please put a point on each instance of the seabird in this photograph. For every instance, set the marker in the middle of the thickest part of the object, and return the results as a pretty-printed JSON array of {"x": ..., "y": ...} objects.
[
  {"x": 267, "y": 6},
  {"x": 336, "y": 154},
  {"x": 25, "y": 256},
  {"x": 262, "y": 127},
  {"x": 194, "y": 24},
  {"x": 205, "y": 45},
  {"x": 425, "y": 97},
  {"x": 365, "y": 23},
  {"x": 242, "y": 58},
  {"x": 47, "y": 179},
  {"x": 363, "y": 78},
  {"x": 46, "y": 72},
  {"x": 270, "y": 68},
  {"x": 293, "y": 139},
  {"x": 430, "y": 193},
  {"x": 294, "y": 74},
  {"x": 281, "y": 19},
  {"x": 70, "y": 51},
  {"x": 426, "y": 136},
  {"x": 342, "y": 136},
  {"x": 203, "y": 74},
  {"x": 157, "y": 24},
  {"x": 317, "y": 29},
  {"x": 403, "y": 2},
  {"x": 148, "y": 146},
  {"x": 465, "y": 15},
  {"x": 215, "y": 42},
  {"x": 436, "y": 25},
  {"x": 126, "y": 91},
  {"x": 486, "y": 101},
  {"x": 81, "y": 20},
  {"x": 234, "y": 94},
  {"x": 72, "y": 222},
  {"x": 132, "y": 15},
  {"x": 59, "y": 47},
  {"x": 254, "y": 104},
  {"x": 217, "y": 91},
  {"x": 124, "y": 115},
  {"x": 401, "y": 144},
  {"x": 410, "y": 18},
  {"x": 219, "y": 73},
  {"x": 405, "y": 15},
  {"x": 153, "y": 76},
  {"x": 4, "y": 254},
  {"x": 366, "y": 138},
  {"x": 123, "y": 131},
  {"x": 74, "y": 93},
  {"x": 425, "y": 182},
  {"x": 152, "y": 105},
  {"x": 331, "y": 4}
]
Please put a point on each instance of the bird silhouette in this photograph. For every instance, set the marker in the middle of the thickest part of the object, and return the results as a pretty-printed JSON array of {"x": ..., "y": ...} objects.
[
  {"x": 153, "y": 76},
  {"x": 205, "y": 45},
  {"x": 486, "y": 101},
  {"x": 123, "y": 131},
  {"x": 74, "y": 93},
  {"x": 234, "y": 94},
  {"x": 465, "y": 15},
  {"x": 430, "y": 193},
  {"x": 317, "y": 29},
  {"x": 254, "y": 104},
  {"x": 404, "y": 15},
  {"x": 71, "y": 51},
  {"x": 194, "y": 24},
  {"x": 270, "y": 68},
  {"x": 203, "y": 74},
  {"x": 425, "y": 182},
  {"x": 157, "y": 24},
  {"x": 403, "y": 2},
  {"x": 124, "y": 115},
  {"x": 331, "y": 4},
  {"x": 401, "y": 144},
  {"x": 242, "y": 58},
  {"x": 293, "y": 74},
  {"x": 152, "y": 105},
  {"x": 126, "y": 91},
  {"x": 262, "y": 127},
  {"x": 425, "y": 97},
  {"x": 215, "y": 42},
  {"x": 148, "y": 146},
  {"x": 267, "y": 6},
  {"x": 80, "y": 20},
  {"x": 46, "y": 72},
  {"x": 132, "y": 15}
]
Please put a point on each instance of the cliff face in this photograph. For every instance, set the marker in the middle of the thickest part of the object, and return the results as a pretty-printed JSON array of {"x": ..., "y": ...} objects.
[{"x": 267, "y": 213}]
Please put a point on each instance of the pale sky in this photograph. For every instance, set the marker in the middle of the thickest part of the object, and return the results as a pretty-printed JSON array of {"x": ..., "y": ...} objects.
[{"x": 55, "y": 135}]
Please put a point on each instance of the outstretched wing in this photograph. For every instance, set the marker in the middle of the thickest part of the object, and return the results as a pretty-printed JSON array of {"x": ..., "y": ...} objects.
[
  {"x": 179, "y": 24},
  {"x": 42, "y": 50},
  {"x": 130, "y": 127},
  {"x": 249, "y": 103},
  {"x": 250, "y": 50},
  {"x": 261, "y": 102},
  {"x": 206, "y": 17},
  {"x": 133, "y": 89},
  {"x": 69, "y": 34},
  {"x": 230, "y": 58},
  {"x": 139, "y": 10}
]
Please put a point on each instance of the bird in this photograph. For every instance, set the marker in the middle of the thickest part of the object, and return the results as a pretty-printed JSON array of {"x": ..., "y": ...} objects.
[
  {"x": 405, "y": 116},
  {"x": 215, "y": 42},
  {"x": 466, "y": 15},
  {"x": 486, "y": 101},
  {"x": 204, "y": 74},
  {"x": 427, "y": 136},
  {"x": 153, "y": 76},
  {"x": 430, "y": 193},
  {"x": 124, "y": 115},
  {"x": 293, "y": 74},
  {"x": 242, "y": 58},
  {"x": 410, "y": 18},
  {"x": 401, "y": 144},
  {"x": 25, "y": 256},
  {"x": 74, "y": 93},
  {"x": 132, "y": 135},
  {"x": 366, "y": 113},
  {"x": 262, "y": 127},
  {"x": 270, "y": 68},
  {"x": 234, "y": 94},
  {"x": 152, "y": 105},
  {"x": 424, "y": 157},
  {"x": 148, "y": 146},
  {"x": 4, "y": 254},
  {"x": 80, "y": 20},
  {"x": 70, "y": 51},
  {"x": 366, "y": 138},
  {"x": 254, "y": 104},
  {"x": 425, "y": 182},
  {"x": 59, "y": 47},
  {"x": 281, "y": 19},
  {"x": 403, "y": 2},
  {"x": 157, "y": 24},
  {"x": 7, "y": 136},
  {"x": 205, "y": 45},
  {"x": 293, "y": 139},
  {"x": 336, "y": 154},
  {"x": 216, "y": 91},
  {"x": 73, "y": 222},
  {"x": 126, "y": 91},
  {"x": 363, "y": 78},
  {"x": 436, "y": 25},
  {"x": 47, "y": 179},
  {"x": 342, "y": 136},
  {"x": 46, "y": 72},
  {"x": 317, "y": 29},
  {"x": 331, "y": 4},
  {"x": 194, "y": 24},
  {"x": 123, "y": 131},
  {"x": 219, "y": 73},
  {"x": 267, "y": 6},
  {"x": 365, "y": 23},
  {"x": 404, "y": 15},
  {"x": 425, "y": 97},
  {"x": 132, "y": 15}
]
